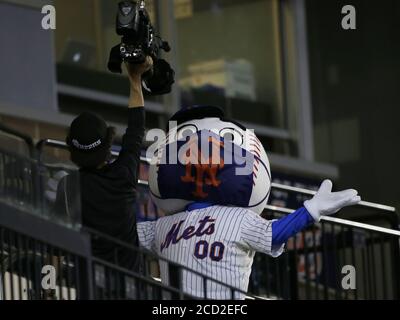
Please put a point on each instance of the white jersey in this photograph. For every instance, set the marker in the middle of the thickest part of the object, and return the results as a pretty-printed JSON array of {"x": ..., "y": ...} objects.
[{"x": 219, "y": 242}]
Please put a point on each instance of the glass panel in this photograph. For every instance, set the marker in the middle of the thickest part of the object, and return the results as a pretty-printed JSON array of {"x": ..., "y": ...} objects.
[
  {"x": 49, "y": 190},
  {"x": 87, "y": 41},
  {"x": 77, "y": 43},
  {"x": 229, "y": 55},
  {"x": 84, "y": 37}
]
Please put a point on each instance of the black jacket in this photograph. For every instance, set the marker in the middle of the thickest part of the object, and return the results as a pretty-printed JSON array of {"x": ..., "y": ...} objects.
[{"x": 108, "y": 196}]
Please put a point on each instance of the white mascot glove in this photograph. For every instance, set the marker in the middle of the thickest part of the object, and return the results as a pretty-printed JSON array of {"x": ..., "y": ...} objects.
[{"x": 325, "y": 202}]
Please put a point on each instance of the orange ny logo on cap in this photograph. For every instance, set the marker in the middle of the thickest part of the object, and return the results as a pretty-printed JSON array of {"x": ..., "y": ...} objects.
[{"x": 206, "y": 170}]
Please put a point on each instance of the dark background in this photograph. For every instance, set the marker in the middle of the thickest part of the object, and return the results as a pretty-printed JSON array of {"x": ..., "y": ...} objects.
[{"x": 355, "y": 74}]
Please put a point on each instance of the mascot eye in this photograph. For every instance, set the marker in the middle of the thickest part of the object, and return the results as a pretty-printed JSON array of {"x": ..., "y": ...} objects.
[
  {"x": 231, "y": 134},
  {"x": 186, "y": 131}
]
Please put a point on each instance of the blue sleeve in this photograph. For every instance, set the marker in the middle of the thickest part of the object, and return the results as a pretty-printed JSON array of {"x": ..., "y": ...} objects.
[{"x": 288, "y": 226}]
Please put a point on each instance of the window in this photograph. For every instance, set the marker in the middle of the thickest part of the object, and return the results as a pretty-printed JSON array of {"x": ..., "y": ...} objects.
[
  {"x": 229, "y": 55},
  {"x": 87, "y": 41},
  {"x": 84, "y": 37}
]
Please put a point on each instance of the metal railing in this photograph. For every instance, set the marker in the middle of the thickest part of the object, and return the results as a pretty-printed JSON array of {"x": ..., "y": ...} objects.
[
  {"x": 366, "y": 204},
  {"x": 28, "y": 243},
  {"x": 23, "y": 260},
  {"x": 173, "y": 290},
  {"x": 388, "y": 213},
  {"x": 66, "y": 268},
  {"x": 376, "y": 206},
  {"x": 32, "y": 185},
  {"x": 317, "y": 260},
  {"x": 388, "y": 210},
  {"x": 27, "y": 139},
  {"x": 311, "y": 268}
]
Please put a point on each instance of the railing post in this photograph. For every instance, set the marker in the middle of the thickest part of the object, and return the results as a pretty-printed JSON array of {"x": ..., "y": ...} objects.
[
  {"x": 86, "y": 281},
  {"x": 294, "y": 285},
  {"x": 174, "y": 279},
  {"x": 396, "y": 267},
  {"x": 90, "y": 282},
  {"x": 1, "y": 287}
]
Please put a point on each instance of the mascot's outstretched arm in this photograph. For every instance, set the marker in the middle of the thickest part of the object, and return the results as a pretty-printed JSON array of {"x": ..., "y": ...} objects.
[{"x": 325, "y": 202}]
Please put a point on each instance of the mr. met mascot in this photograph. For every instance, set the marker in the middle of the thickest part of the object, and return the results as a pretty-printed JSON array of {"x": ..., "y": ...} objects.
[{"x": 212, "y": 177}]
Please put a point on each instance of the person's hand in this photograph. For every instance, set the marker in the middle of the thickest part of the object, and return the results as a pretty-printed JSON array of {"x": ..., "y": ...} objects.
[
  {"x": 325, "y": 202},
  {"x": 135, "y": 71}
]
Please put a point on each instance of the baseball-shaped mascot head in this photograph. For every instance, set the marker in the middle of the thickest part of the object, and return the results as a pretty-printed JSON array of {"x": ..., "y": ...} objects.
[{"x": 210, "y": 159}]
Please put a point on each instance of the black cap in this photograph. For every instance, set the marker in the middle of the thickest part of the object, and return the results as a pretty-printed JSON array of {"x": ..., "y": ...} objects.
[
  {"x": 197, "y": 112},
  {"x": 89, "y": 140}
]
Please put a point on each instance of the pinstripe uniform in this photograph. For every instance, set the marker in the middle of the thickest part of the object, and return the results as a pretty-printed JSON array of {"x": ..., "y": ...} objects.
[{"x": 219, "y": 242}]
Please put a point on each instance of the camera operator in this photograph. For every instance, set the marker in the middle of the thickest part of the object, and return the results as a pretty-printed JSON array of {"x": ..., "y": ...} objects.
[{"x": 108, "y": 189}]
